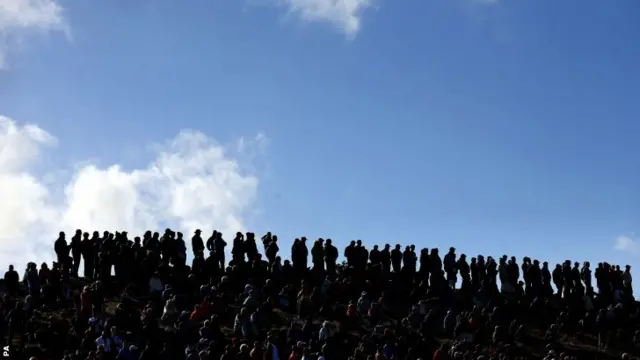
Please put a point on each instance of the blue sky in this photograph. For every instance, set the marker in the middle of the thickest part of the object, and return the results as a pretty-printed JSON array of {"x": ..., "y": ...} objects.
[{"x": 494, "y": 126}]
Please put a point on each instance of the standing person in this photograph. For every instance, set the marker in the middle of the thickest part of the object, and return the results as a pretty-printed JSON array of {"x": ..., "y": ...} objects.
[
  {"x": 76, "y": 251},
  {"x": 32, "y": 279},
  {"x": 62, "y": 248},
  {"x": 12, "y": 281},
  {"x": 450, "y": 267},
  {"x": 89, "y": 253},
  {"x": 219, "y": 245},
  {"x": 197, "y": 245},
  {"x": 272, "y": 250}
]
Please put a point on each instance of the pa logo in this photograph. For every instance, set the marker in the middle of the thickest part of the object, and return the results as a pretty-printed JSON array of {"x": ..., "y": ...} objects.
[{"x": 5, "y": 352}]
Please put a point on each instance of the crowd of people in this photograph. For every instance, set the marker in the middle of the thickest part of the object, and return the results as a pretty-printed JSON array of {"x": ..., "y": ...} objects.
[{"x": 140, "y": 300}]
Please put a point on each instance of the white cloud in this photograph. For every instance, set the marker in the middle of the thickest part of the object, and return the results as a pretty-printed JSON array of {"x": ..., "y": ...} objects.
[
  {"x": 627, "y": 244},
  {"x": 23, "y": 17},
  {"x": 192, "y": 183},
  {"x": 346, "y": 14}
]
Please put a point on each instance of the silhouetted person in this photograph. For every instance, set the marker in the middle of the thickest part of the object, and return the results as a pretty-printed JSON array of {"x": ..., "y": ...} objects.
[
  {"x": 546, "y": 279},
  {"x": 300, "y": 254},
  {"x": 449, "y": 263},
  {"x": 12, "y": 281},
  {"x": 407, "y": 260},
  {"x": 197, "y": 244},
  {"x": 627, "y": 280},
  {"x": 89, "y": 253},
  {"x": 272, "y": 250},
  {"x": 585, "y": 274},
  {"x": 385, "y": 258},
  {"x": 237, "y": 249},
  {"x": 250, "y": 246},
  {"x": 330, "y": 256},
  {"x": 374, "y": 256},
  {"x": 180, "y": 251},
  {"x": 219, "y": 246},
  {"x": 317, "y": 255},
  {"x": 211, "y": 240},
  {"x": 349, "y": 253},
  {"x": 76, "y": 251},
  {"x": 266, "y": 240},
  {"x": 396, "y": 259},
  {"x": 535, "y": 277},
  {"x": 465, "y": 271},
  {"x": 32, "y": 278},
  {"x": 361, "y": 255},
  {"x": 557, "y": 279},
  {"x": 62, "y": 248}
]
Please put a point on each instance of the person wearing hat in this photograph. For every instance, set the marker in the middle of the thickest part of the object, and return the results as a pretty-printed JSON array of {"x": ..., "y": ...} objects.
[{"x": 197, "y": 245}]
